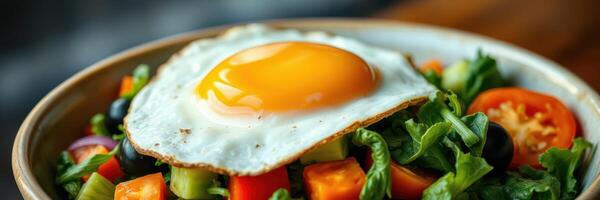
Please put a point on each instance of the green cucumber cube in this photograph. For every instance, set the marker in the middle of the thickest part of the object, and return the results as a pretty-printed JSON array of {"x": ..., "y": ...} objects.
[
  {"x": 97, "y": 188},
  {"x": 192, "y": 183}
]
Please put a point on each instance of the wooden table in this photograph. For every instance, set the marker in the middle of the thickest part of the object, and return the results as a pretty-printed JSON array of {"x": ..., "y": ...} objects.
[{"x": 566, "y": 31}]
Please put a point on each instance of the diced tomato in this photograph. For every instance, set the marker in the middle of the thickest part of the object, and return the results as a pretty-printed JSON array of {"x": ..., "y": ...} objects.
[
  {"x": 110, "y": 170},
  {"x": 342, "y": 179},
  {"x": 149, "y": 187},
  {"x": 406, "y": 183},
  {"x": 432, "y": 64},
  {"x": 259, "y": 187},
  {"x": 409, "y": 184},
  {"x": 126, "y": 85},
  {"x": 535, "y": 121}
]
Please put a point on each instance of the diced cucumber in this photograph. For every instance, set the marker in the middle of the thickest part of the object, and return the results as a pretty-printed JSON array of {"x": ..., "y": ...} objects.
[
  {"x": 97, "y": 188},
  {"x": 192, "y": 183},
  {"x": 335, "y": 150},
  {"x": 455, "y": 76}
]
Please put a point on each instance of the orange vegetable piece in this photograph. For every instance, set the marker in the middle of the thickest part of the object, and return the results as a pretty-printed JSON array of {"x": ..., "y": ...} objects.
[
  {"x": 149, "y": 187},
  {"x": 432, "y": 64},
  {"x": 126, "y": 85},
  {"x": 342, "y": 179}
]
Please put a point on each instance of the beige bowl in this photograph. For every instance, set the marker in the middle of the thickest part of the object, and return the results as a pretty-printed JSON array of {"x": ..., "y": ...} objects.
[{"x": 59, "y": 118}]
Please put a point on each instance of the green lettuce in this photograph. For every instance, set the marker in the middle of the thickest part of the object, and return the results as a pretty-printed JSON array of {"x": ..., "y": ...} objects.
[
  {"x": 469, "y": 169},
  {"x": 378, "y": 182},
  {"x": 562, "y": 164},
  {"x": 280, "y": 194},
  {"x": 483, "y": 75},
  {"x": 437, "y": 110},
  {"x": 86, "y": 167},
  {"x": 141, "y": 77},
  {"x": 65, "y": 161},
  {"x": 557, "y": 181}
]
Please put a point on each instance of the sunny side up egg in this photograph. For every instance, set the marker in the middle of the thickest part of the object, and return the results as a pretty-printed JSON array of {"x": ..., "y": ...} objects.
[{"x": 257, "y": 98}]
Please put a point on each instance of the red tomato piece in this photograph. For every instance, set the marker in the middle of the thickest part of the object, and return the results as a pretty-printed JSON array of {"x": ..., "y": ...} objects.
[
  {"x": 407, "y": 183},
  {"x": 535, "y": 121},
  {"x": 342, "y": 179},
  {"x": 149, "y": 187},
  {"x": 258, "y": 187},
  {"x": 110, "y": 170}
]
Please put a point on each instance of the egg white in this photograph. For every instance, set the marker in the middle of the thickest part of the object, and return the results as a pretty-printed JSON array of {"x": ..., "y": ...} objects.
[{"x": 168, "y": 121}]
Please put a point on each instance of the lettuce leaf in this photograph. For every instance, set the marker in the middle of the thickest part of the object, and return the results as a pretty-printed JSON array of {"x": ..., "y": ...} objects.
[
  {"x": 478, "y": 123},
  {"x": 469, "y": 169},
  {"x": 425, "y": 137},
  {"x": 557, "y": 181},
  {"x": 281, "y": 194},
  {"x": 562, "y": 164},
  {"x": 433, "y": 78},
  {"x": 437, "y": 110},
  {"x": 141, "y": 77},
  {"x": 483, "y": 75},
  {"x": 65, "y": 161},
  {"x": 527, "y": 183},
  {"x": 75, "y": 172},
  {"x": 378, "y": 182}
]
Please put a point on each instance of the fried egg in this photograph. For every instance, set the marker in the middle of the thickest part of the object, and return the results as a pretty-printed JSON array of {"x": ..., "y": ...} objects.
[{"x": 256, "y": 98}]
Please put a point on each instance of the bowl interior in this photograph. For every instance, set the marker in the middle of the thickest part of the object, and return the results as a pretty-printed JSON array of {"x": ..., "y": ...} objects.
[{"x": 60, "y": 118}]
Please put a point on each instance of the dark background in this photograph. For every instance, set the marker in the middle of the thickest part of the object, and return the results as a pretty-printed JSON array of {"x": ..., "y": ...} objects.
[{"x": 42, "y": 43}]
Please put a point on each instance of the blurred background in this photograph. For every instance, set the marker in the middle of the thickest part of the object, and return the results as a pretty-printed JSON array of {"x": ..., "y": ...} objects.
[{"x": 45, "y": 42}]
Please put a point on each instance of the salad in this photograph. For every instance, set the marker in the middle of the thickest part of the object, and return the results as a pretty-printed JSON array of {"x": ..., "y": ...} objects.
[{"x": 478, "y": 137}]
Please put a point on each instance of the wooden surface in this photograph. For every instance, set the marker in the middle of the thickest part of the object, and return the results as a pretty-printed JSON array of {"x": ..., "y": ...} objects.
[{"x": 566, "y": 31}]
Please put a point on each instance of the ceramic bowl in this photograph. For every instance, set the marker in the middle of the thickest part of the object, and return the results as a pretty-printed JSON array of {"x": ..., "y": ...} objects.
[{"x": 58, "y": 118}]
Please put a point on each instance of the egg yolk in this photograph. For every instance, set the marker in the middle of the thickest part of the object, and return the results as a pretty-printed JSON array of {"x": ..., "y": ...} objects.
[{"x": 287, "y": 76}]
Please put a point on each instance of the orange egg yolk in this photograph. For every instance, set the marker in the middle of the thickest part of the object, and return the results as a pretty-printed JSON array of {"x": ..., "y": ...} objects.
[{"x": 287, "y": 76}]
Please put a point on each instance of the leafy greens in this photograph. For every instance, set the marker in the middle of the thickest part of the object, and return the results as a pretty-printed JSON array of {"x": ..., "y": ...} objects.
[
  {"x": 469, "y": 169},
  {"x": 65, "y": 161},
  {"x": 281, "y": 194},
  {"x": 562, "y": 164},
  {"x": 483, "y": 75},
  {"x": 556, "y": 182},
  {"x": 378, "y": 182},
  {"x": 75, "y": 172},
  {"x": 437, "y": 110},
  {"x": 141, "y": 77}
]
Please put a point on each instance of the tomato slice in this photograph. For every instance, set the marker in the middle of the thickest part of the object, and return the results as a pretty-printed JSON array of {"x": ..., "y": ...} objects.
[
  {"x": 110, "y": 170},
  {"x": 406, "y": 183},
  {"x": 535, "y": 121},
  {"x": 149, "y": 187},
  {"x": 258, "y": 187},
  {"x": 432, "y": 64},
  {"x": 342, "y": 179}
]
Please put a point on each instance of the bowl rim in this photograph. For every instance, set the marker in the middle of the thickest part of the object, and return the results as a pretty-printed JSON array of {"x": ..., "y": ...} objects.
[{"x": 31, "y": 189}]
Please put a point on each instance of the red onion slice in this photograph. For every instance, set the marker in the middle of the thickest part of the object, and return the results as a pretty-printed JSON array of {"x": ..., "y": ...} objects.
[{"x": 107, "y": 142}]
